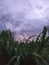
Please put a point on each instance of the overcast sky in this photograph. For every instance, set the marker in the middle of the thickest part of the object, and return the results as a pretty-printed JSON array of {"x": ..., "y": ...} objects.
[{"x": 19, "y": 15}]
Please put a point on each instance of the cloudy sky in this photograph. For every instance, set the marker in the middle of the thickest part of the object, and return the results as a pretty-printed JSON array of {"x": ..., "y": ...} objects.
[{"x": 24, "y": 15}]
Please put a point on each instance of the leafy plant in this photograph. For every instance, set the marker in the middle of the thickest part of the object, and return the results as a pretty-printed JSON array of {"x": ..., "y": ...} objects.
[{"x": 32, "y": 53}]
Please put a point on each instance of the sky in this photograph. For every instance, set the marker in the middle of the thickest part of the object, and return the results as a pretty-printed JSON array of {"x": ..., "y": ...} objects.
[{"x": 24, "y": 15}]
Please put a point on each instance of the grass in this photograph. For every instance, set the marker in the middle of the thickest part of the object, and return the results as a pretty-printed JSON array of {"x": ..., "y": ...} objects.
[{"x": 32, "y": 53}]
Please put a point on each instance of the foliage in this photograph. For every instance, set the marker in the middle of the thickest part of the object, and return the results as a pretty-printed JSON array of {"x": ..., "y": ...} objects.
[{"x": 32, "y": 53}]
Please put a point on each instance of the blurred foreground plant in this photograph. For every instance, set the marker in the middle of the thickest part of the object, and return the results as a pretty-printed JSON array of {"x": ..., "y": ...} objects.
[{"x": 32, "y": 53}]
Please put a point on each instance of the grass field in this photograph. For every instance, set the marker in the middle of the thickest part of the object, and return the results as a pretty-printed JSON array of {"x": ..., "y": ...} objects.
[{"x": 24, "y": 53}]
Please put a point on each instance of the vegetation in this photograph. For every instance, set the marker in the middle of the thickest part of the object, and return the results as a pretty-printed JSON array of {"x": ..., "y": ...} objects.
[{"x": 32, "y": 53}]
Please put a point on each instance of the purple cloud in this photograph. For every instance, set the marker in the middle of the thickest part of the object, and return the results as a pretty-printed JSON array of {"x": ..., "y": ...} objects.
[{"x": 19, "y": 15}]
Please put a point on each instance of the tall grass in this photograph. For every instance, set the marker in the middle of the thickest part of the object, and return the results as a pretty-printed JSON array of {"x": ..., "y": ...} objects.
[{"x": 32, "y": 53}]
